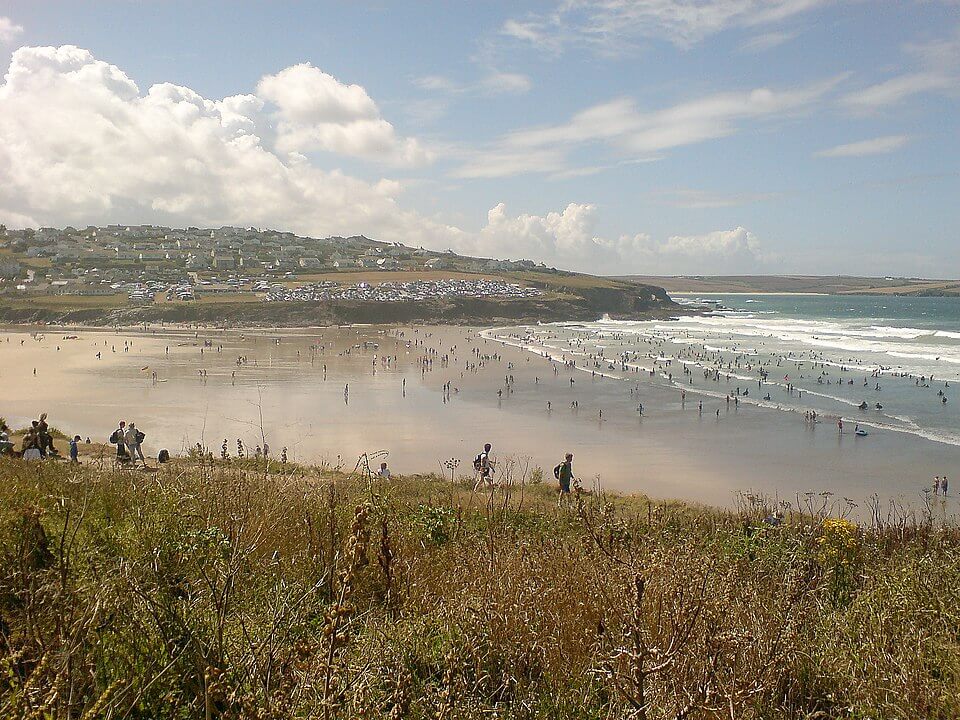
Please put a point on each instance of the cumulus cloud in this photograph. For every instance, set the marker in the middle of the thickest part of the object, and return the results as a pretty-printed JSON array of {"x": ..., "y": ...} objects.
[
  {"x": 315, "y": 111},
  {"x": 570, "y": 239},
  {"x": 738, "y": 241},
  {"x": 873, "y": 146},
  {"x": 81, "y": 143},
  {"x": 9, "y": 30},
  {"x": 715, "y": 253},
  {"x": 568, "y": 236}
]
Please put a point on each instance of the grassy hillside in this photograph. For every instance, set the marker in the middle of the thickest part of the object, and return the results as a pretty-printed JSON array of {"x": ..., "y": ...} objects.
[
  {"x": 566, "y": 296},
  {"x": 249, "y": 590}
]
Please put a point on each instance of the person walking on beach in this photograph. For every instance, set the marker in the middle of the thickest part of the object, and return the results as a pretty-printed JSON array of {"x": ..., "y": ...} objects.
[
  {"x": 943, "y": 485},
  {"x": 484, "y": 467},
  {"x": 840, "y": 426},
  {"x": 936, "y": 485},
  {"x": 133, "y": 437},
  {"x": 564, "y": 475}
]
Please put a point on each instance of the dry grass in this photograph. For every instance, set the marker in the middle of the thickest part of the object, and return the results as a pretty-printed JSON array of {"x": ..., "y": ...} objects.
[
  {"x": 245, "y": 590},
  {"x": 565, "y": 280},
  {"x": 68, "y": 302}
]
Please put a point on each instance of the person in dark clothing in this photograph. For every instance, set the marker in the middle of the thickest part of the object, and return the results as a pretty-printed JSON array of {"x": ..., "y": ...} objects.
[
  {"x": 564, "y": 474},
  {"x": 118, "y": 439}
]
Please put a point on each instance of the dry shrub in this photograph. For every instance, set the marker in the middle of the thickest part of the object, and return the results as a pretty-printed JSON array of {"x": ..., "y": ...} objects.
[{"x": 248, "y": 589}]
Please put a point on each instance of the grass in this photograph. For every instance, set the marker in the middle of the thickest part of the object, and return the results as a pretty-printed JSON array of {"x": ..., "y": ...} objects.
[
  {"x": 67, "y": 302},
  {"x": 245, "y": 589},
  {"x": 571, "y": 280}
]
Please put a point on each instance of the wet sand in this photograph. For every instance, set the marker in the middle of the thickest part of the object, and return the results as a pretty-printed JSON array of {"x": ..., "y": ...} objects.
[{"x": 201, "y": 394}]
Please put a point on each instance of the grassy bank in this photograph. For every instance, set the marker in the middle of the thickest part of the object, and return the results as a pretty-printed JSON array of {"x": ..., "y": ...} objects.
[{"x": 245, "y": 590}]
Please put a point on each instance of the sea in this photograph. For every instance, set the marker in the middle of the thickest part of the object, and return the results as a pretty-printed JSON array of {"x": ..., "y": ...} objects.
[{"x": 880, "y": 363}]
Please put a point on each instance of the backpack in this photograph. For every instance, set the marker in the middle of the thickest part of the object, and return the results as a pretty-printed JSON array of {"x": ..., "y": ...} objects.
[
  {"x": 478, "y": 462},
  {"x": 140, "y": 436},
  {"x": 114, "y": 439},
  {"x": 556, "y": 471}
]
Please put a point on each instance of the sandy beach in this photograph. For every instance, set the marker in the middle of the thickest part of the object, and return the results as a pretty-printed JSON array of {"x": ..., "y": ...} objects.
[{"x": 425, "y": 395}]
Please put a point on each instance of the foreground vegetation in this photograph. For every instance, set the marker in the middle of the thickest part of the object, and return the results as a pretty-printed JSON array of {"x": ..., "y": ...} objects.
[{"x": 243, "y": 589}]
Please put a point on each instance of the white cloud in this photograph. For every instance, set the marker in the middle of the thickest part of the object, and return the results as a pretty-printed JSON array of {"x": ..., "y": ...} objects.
[
  {"x": 569, "y": 239},
  {"x": 873, "y": 146},
  {"x": 9, "y": 30},
  {"x": 719, "y": 242},
  {"x": 506, "y": 162},
  {"x": 558, "y": 237},
  {"x": 630, "y": 132},
  {"x": 504, "y": 83},
  {"x": 610, "y": 26},
  {"x": 895, "y": 90},
  {"x": 437, "y": 83},
  {"x": 315, "y": 111},
  {"x": 81, "y": 144},
  {"x": 938, "y": 71},
  {"x": 493, "y": 83},
  {"x": 716, "y": 253},
  {"x": 767, "y": 41}
]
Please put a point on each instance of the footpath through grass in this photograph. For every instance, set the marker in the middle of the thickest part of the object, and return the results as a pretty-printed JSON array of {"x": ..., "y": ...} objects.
[{"x": 251, "y": 590}]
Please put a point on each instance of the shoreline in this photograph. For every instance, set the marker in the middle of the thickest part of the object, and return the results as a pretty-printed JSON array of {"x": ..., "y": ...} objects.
[{"x": 403, "y": 408}]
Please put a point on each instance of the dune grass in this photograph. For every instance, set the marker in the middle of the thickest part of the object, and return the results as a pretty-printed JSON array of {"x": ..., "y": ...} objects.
[{"x": 248, "y": 589}]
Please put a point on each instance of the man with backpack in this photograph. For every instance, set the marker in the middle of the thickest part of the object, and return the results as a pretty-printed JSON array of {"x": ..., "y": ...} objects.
[
  {"x": 564, "y": 474},
  {"x": 483, "y": 466},
  {"x": 117, "y": 438},
  {"x": 133, "y": 437}
]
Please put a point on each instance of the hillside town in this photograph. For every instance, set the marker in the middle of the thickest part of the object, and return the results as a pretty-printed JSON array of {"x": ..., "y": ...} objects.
[{"x": 149, "y": 263}]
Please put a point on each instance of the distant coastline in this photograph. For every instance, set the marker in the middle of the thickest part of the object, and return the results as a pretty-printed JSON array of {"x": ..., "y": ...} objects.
[{"x": 800, "y": 285}]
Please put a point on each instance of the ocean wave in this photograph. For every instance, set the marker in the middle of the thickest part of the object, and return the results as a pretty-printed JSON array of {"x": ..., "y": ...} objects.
[{"x": 861, "y": 347}]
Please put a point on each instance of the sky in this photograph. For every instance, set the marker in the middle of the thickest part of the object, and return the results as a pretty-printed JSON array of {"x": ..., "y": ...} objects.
[{"x": 605, "y": 136}]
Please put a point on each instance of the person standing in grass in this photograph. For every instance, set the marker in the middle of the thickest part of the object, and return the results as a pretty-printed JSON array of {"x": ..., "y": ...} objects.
[
  {"x": 75, "y": 449},
  {"x": 483, "y": 465},
  {"x": 133, "y": 437},
  {"x": 564, "y": 474},
  {"x": 118, "y": 439}
]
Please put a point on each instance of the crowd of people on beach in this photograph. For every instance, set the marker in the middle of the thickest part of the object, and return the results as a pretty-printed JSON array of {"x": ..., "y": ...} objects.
[
  {"x": 37, "y": 442},
  {"x": 681, "y": 368}
]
